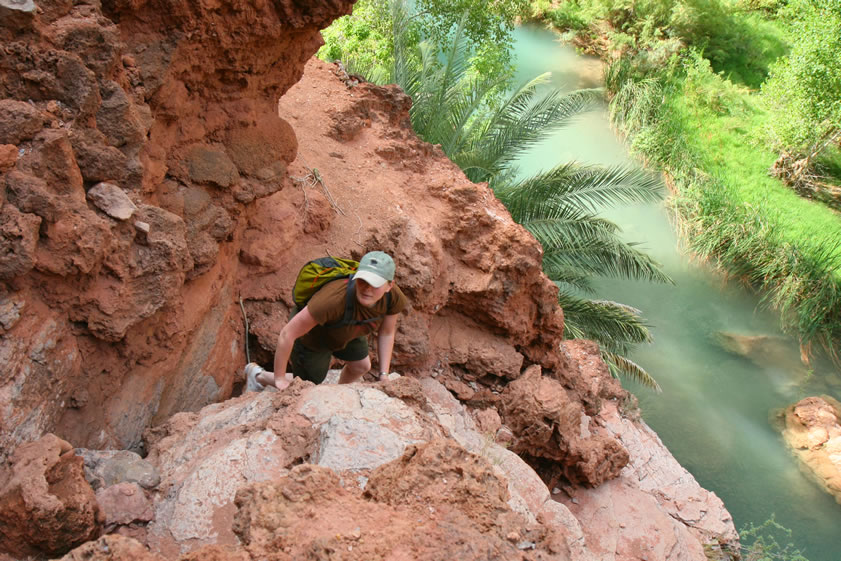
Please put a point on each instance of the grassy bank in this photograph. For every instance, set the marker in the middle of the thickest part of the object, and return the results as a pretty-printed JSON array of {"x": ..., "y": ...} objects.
[{"x": 685, "y": 89}]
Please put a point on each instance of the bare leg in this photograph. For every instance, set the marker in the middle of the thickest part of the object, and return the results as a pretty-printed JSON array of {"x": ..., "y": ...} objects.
[
  {"x": 354, "y": 370},
  {"x": 268, "y": 379}
]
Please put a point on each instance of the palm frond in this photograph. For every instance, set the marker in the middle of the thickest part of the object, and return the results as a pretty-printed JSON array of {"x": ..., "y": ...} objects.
[
  {"x": 522, "y": 122},
  {"x": 616, "y": 326},
  {"x": 592, "y": 187},
  {"x": 466, "y": 111},
  {"x": 405, "y": 69},
  {"x": 555, "y": 234},
  {"x": 607, "y": 257},
  {"x": 442, "y": 90},
  {"x": 568, "y": 280},
  {"x": 621, "y": 366},
  {"x": 559, "y": 207}
]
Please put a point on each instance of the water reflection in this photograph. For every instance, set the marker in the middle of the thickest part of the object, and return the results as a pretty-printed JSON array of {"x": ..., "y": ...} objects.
[{"x": 714, "y": 411}]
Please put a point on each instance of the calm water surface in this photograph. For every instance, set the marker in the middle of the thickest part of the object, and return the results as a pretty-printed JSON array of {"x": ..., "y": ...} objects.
[{"x": 715, "y": 407}]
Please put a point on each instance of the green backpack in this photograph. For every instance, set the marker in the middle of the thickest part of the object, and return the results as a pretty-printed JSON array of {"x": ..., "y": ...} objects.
[{"x": 318, "y": 272}]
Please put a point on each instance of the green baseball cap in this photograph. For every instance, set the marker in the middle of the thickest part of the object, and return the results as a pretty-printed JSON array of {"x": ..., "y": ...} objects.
[{"x": 376, "y": 268}]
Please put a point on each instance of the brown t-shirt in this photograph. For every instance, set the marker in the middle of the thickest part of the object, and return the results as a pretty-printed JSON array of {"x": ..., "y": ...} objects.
[{"x": 328, "y": 306}]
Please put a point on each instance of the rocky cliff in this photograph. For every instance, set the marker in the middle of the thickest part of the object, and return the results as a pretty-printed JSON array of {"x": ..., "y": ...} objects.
[
  {"x": 156, "y": 200},
  {"x": 136, "y": 137}
]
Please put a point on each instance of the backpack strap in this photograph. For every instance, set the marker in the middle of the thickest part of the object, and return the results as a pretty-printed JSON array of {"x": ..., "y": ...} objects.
[{"x": 350, "y": 300}]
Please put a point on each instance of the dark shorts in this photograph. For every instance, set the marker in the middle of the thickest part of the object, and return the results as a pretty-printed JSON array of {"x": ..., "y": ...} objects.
[{"x": 313, "y": 365}]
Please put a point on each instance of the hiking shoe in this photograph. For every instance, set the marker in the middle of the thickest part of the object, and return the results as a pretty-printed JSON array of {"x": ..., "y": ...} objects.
[{"x": 251, "y": 383}]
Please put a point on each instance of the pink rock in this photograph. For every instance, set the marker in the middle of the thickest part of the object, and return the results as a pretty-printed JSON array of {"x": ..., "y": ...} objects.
[
  {"x": 46, "y": 506},
  {"x": 112, "y": 200},
  {"x": 124, "y": 503}
]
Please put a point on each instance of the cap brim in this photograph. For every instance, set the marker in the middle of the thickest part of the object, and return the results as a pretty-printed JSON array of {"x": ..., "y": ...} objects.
[{"x": 373, "y": 279}]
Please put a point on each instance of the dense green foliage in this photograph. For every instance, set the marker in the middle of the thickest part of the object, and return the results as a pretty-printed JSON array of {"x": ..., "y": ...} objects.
[
  {"x": 559, "y": 207},
  {"x": 706, "y": 128},
  {"x": 664, "y": 27},
  {"x": 804, "y": 89},
  {"x": 365, "y": 39}
]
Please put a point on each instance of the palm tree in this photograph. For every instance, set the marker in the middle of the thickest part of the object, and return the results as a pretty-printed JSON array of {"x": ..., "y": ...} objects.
[{"x": 560, "y": 206}]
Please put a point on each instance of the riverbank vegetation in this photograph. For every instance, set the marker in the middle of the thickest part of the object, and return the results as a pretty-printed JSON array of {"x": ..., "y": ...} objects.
[
  {"x": 484, "y": 125},
  {"x": 740, "y": 103}
]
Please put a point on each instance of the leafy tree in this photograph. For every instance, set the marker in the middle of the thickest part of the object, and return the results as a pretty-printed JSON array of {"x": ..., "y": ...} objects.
[
  {"x": 559, "y": 207},
  {"x": 804, "y": 88},
  {"x": 366, "y": 37}
]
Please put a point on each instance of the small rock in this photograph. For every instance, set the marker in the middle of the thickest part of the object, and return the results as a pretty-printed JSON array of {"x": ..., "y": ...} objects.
[
  {"x": 124, "y": 503},
  {"x": 143, "y": 229},
  {"x": 8, "y": 156},
  {"x": 504, "y": 435},
  {"x": 27, "y": 6},
  {"x": 105, "y": 468},
  {"x": 112, "y": 200},
  {"x": 19, "y": 120},
  {"x": 10, "y": 310}
]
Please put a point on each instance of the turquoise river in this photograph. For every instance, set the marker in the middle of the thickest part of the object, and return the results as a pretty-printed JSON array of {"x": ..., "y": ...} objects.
[{"x": 716, "y": 407}]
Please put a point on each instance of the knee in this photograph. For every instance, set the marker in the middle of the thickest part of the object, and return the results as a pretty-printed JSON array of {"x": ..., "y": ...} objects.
[{"x": 359, "y": 367}]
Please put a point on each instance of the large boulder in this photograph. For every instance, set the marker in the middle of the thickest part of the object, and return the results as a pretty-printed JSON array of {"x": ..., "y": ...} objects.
[
  {"x": 338, "y": 466},
  {"x": 46, "y": 506},
  {"x": 357, "y": 436},
  {"x": 812, "y": 429},
  {"x": 549, "y": 424}
]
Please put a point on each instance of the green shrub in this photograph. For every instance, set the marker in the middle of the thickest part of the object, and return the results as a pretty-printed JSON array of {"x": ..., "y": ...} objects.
[
  {"x": 366, "y": 36},
  {"x": 708, "y": 90},
  {"x": 739, "y": 43},
  {"x": 567, "y": 16},
  {"x": 762, "y": 543},
  {"x": 804, "y": 89},
  {"x": 767, "y": 6}
]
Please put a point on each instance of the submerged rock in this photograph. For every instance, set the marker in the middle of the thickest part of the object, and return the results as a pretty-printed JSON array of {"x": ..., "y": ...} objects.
[{"x": 767, "y": 351}]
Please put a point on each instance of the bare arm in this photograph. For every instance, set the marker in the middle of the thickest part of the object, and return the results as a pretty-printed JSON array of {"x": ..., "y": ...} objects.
[
  {"x": 385, "y": 342},
  {"x": 298, "y": 326}
]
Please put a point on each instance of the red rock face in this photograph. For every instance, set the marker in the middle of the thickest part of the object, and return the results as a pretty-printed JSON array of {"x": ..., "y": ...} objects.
[
  {"x": 115, "y": 319},
  {"x": 550, "y": 424},
  {"x": 124, "y": 309},
  {"x": 110, "y": 322},
  {"x": 435, "y": 502},
  {"x": 46, "y": 506}
]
